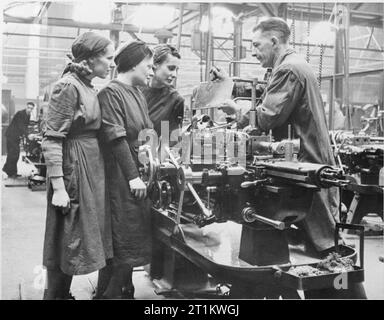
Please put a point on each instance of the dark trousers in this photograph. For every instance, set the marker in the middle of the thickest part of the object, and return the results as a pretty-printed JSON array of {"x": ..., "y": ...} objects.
[{"x": 13, "y": 153}]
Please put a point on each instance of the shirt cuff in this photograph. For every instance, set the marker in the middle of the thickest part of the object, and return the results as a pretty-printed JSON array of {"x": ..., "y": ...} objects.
[
  {"x": 112, "y": 132},
  {"x": 54, "y": 171}
]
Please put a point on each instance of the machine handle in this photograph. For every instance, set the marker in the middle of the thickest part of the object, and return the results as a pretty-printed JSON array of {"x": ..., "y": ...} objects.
[
  {"x": 205, "y": 210},
  {"x": 356, "y": 227},
  {"x": 274, "y": 223},
  {"x": 249, "y": 215},
  {"x": 247, "y": 184}
]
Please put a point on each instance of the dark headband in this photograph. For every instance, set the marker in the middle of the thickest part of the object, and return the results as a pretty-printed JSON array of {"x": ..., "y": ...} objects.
[
  {"x": 131, "y": 54},
  {"x": 88, "y": 45}
]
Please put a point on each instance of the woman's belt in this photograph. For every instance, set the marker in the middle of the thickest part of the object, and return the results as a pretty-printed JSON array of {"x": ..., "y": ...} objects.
[{"x": 83, "y": 135}]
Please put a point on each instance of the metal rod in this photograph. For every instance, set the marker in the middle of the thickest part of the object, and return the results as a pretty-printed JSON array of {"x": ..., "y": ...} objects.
[
  {"x": 37, "y": 35},
  {"x": 189, "y": 36},
  {"x": 346, "y": 65},
  {"x": 353, "y": 74},
  {"x": 207, "y": 107},
  {"x": 333, "y": 99},
  {"x": 274, "y": 223},
  {"x": 38, "y": 49},
  {"x": 237, "y": 41},
  {"x": 205, "y": 211},
  {"x": 180, "y": 207},
  {"x": 180, "y": 25}
]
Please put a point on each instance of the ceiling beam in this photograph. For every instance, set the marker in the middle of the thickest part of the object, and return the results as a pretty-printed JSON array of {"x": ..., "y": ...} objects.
[
  {"x": 354, "y": 74},
  {"x": 357, "y": 6},
  {"x": 69, "y": 23},
  {"x": 372, "y": 21},
  {"x": 188, "y": 36},
  {"x": 267, "y": 10},
  {"x": 175, "y": 21},
  {"x": 174, "y": 26},
  {"x": 329, "y": 9},
  {"x": 44, "y": 8},
  {"x": 38, "y": 35}
]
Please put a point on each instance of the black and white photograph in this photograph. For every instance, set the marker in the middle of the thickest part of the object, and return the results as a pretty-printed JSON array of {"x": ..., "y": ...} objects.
[{"x": 208, "y": 152}]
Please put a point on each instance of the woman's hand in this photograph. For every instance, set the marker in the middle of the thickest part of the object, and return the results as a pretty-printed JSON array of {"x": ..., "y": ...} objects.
[
  {"x": 138, "y": 188},
  {"x": 229, "y": 107},
  {"x": 60, "y": 198}
]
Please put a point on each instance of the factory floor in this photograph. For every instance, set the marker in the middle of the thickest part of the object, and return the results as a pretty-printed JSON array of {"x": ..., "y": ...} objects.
[{"x": 22, "y": 234}]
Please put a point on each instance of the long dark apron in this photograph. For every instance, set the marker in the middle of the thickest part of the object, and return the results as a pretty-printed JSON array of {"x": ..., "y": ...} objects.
[
  {"x": 125, "y": 114},
  {"x": 78, "y": 242}
]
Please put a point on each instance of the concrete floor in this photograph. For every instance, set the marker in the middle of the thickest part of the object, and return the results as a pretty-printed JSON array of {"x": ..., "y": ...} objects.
[{"x": 22, "y": 234}]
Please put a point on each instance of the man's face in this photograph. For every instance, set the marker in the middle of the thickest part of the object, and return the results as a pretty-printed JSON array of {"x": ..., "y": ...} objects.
[
  {"x": 262, "y": 48},
  {"x": 29, "y": 108}
]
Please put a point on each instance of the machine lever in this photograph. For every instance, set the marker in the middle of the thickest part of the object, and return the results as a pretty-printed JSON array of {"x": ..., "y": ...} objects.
[
  {"x": 172, "y": 158},
  {"x": 336, "y": 182},
  {"x": 248, "y": 184},
  {"x": 249, "y": 215},
  {"x": 274, "y": 223},
  {"x": 205, "y": 211}
]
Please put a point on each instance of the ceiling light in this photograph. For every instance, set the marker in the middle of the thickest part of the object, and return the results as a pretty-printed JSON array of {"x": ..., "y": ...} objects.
[
  {"x": 222, "y": 21},
  {"x": 323, "y": 33},
  {"x": 154, "y": 16},
  {"x": 93, "y": 11},
  {"x": 24, "y": 10}
]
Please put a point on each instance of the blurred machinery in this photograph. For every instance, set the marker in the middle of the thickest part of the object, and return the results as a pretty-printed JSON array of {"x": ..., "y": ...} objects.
[
  {"x": 34, "y": 155},
  {"x": 361, "y": 158},
  {"x": 226, "y": 207},
  {"x": 374, "y": 120}
]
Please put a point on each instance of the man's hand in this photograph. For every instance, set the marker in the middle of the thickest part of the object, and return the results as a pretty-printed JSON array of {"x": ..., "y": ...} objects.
[
  {"x": 229, "y": 107},
  {"x": 252, "y": 131},
  {"x": 217, "y": 74},
  {"x": 138, "y": 188}
]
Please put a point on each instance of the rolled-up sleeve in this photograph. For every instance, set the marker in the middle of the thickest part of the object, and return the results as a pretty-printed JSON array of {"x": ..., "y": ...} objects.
[
  {"x": 113, "y": 125},
  {"x": 283, "y": 94},
  {"x": 61, "y": 110}
]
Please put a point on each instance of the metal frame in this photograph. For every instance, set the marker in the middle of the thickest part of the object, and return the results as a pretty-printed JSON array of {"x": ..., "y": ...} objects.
[{"x": 186, "y": 14}]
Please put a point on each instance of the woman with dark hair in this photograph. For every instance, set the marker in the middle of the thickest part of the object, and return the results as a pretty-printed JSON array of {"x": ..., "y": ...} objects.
[
  {"x": 164, "y": 102},
  {"x": 77, "y": 240},
  {"x": 125, "y": 114}
]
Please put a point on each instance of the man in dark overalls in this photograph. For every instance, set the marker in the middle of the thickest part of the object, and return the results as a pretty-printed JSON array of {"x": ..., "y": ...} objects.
[
  {"x": 292, "y": 96},
  {"x": 17, "y": 128}
]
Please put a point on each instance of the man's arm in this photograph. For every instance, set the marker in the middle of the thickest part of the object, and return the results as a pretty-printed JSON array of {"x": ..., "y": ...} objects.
[{"x": 283, "y": 93}]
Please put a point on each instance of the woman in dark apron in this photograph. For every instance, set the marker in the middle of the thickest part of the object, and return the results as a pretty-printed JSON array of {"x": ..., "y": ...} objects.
[
  {"x": 164, "y": 102},
  {"x": 77, "y": 235},
  {"x": 125, "y": 115}
]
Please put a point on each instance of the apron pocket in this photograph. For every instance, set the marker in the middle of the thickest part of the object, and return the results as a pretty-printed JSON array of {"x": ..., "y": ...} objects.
[{"x": 71, "y": 182}]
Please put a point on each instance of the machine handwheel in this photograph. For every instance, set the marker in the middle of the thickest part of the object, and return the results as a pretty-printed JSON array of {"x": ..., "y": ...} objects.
[{"x": 150, "y": 165}]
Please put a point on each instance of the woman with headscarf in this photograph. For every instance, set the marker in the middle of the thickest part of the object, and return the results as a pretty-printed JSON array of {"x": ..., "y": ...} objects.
[
  {"x": 125, "y": 114},
  {"x": 164, "y": 102},
  {"x": 77, "y": 240}
]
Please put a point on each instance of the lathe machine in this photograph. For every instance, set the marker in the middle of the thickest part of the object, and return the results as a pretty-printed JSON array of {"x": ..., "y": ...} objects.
[
  {"x": 225, "y": 214},
  {"x": 361, "y": 158}
]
